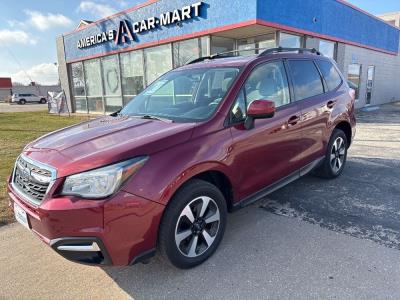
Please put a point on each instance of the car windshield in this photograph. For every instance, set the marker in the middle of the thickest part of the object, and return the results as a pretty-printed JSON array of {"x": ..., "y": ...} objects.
[{"x": 184, "y": 95}]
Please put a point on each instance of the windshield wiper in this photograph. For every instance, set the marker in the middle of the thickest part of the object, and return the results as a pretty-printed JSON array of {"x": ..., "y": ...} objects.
[{"x": 151, "y": 117}]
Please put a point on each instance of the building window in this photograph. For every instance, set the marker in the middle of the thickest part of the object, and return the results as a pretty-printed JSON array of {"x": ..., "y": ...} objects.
[
  {"x": 354, "y": 77},
  {"x": 112, "y": 83},
  {"x": 221, "y": 44},
  {"x": 186, "y": 51},
  {"x": 158, "y": 61},
  {"x": 327, "y": 48},
  {"x": 205, "y": 45},
  {"x": 289, "y": 40},
  {"x": 260, "y": 42},
  {"x": 78, "y": 87},
  {"x": 94, "y": 91},
  {"x": 132, "y": 74}
]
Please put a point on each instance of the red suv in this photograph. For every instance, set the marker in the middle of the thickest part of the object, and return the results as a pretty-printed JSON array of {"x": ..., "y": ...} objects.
[{"x": 204, "y": 139}]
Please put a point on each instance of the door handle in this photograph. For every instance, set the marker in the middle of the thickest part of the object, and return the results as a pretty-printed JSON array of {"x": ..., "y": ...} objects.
[
  {"x": 331, "y": 104},
  {"x": 293, "y": 120}
]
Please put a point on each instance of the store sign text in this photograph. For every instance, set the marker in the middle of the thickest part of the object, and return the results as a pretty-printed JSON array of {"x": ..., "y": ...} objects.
[{"x": 127, "y": 30}]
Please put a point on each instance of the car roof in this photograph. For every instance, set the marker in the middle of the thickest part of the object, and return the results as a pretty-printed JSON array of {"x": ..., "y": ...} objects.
[{"x": 240, "y": 61}]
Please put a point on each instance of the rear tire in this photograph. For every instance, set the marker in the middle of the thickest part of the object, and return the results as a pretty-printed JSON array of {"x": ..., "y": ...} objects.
[
  {"x": 42, "y": 101},
  {"x": 193, "y": 224},
  {"x": 335, "y": 157},
  {"x": 22, "y": 101}
]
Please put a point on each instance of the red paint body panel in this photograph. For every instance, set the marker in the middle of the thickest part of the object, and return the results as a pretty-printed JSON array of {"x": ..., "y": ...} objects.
[
  {"x": 128, "y": 221},
  {"x": 112, "y": 220}
]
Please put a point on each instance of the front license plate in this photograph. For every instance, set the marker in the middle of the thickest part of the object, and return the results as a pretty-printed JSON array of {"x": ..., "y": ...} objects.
[{"x": 21, "y": 215}]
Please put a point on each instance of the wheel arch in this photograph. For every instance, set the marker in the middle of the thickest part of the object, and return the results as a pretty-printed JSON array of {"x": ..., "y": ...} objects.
[
  {"x": 221, "y": 181},
  {"x": 214, "y": 174},
  {"x": 346, "y": 128}
]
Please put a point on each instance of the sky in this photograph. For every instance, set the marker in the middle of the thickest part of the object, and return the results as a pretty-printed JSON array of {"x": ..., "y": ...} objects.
[{"x": 28, "y": 30}]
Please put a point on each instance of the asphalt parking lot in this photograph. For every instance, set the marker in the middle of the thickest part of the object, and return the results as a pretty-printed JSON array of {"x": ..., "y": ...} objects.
[
  {"x": 7, "y": 107},
  {"x": 314, "y": 239}
]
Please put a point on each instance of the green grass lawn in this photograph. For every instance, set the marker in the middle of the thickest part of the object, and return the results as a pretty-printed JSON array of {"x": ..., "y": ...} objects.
[{"x": 16, "y": 130}]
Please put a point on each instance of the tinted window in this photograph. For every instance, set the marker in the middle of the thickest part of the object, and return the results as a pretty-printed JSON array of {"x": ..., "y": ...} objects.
[
  {"x": 331, "y": 75},
  {"x": 306, "y": 79}
]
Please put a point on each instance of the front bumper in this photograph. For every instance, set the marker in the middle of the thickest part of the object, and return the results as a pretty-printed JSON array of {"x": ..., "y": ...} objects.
[{"x": 116, "y": 231}]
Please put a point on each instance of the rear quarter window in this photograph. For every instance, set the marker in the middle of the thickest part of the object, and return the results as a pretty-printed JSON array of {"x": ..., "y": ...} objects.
[
  {"x": 330, "y": 73},
  {"x": 307, "y": 81}
]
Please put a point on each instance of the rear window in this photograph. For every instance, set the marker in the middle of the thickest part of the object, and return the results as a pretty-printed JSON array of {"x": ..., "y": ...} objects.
[
  {"x": 331, "y": 75},
  {"x": 306, "y": 79}
]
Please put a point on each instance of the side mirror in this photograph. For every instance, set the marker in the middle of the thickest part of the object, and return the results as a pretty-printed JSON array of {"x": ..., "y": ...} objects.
[{"x": 259, "y": 109}]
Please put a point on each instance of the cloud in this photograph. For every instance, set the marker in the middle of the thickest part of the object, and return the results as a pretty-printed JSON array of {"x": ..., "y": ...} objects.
[
  {"x": 12, "y": 37},
  {"x": 98, "y": 10},
  {"x": 46, "y": 74},
  {"x": 122, "y": 3},
  {"x": 45, "y": 21}
]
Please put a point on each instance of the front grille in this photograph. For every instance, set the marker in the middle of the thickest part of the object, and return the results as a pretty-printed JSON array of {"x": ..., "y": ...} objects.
[{"x": 31, "y": 180}]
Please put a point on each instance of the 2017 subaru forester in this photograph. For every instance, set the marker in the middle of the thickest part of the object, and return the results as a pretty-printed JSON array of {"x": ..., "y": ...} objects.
[{"x": 202, "y": 140}]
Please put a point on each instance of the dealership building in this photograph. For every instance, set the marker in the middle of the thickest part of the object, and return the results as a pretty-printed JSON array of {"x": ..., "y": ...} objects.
[{"x": 104, "y": 64}]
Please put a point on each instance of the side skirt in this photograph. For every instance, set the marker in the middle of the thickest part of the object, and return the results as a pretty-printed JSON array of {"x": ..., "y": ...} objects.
[{"x": 278, "y": 184}]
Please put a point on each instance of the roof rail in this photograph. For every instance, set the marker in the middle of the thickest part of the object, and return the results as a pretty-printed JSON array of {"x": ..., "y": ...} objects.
[
  {"x": 221, "y": 55},
  {"x": 265, "y": 52},
  {"x": 282, "y": 49}
]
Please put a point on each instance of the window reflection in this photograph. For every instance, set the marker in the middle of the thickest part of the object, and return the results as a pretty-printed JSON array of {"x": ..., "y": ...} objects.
[
  {"x": 306, "y": 79},
  {"x": 158, "y": 61},
  {"x": 78, "y": 87},
  {"x": 93, "y": 83},
  {"x": 260, "y": 42},
  {"x": 185, "y": 51},
  {"x": 289, "y": 40},
  {"x": 353, "y": 76},
  {"x": 131, "y": 74},
  {"x": 327, "y": 48}
]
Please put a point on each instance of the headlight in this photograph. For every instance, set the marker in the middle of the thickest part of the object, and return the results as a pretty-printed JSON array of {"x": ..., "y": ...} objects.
[{"x": 102, "y": 182}]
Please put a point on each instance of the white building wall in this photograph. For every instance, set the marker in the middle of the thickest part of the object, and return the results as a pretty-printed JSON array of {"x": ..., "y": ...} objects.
[{"x": 387, "y": 73}]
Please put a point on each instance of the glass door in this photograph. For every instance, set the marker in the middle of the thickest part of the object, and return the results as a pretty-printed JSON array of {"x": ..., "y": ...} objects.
[{"x": 370, "y": 83}]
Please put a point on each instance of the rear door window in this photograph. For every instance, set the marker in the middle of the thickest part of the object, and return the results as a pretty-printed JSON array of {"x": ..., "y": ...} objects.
[
  {"x": 331, "y": 75},
  {"x": 307, "y": 81}
]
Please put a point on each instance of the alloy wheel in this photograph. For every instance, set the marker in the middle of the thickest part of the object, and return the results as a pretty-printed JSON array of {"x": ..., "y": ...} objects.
[
  {"x": 197, "y": 226},
  {"x": 338, "y": 153}
]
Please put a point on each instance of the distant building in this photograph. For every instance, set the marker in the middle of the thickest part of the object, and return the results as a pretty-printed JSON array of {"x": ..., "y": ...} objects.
[
  {"x": 392, "y": 18},
  {"x": 39, "y": 90},
  {"x": 5, "y": 88}
]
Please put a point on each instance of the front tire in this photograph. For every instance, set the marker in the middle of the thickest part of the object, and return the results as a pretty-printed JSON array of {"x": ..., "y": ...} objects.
[
  {"x": 22, "y": 102},
  {"x": 335, "y": 157},
  {"x": 193, "y": 224}
]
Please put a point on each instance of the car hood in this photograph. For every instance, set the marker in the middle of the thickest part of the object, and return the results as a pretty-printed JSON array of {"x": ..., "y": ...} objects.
[{"x": 104, "y": 141}]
